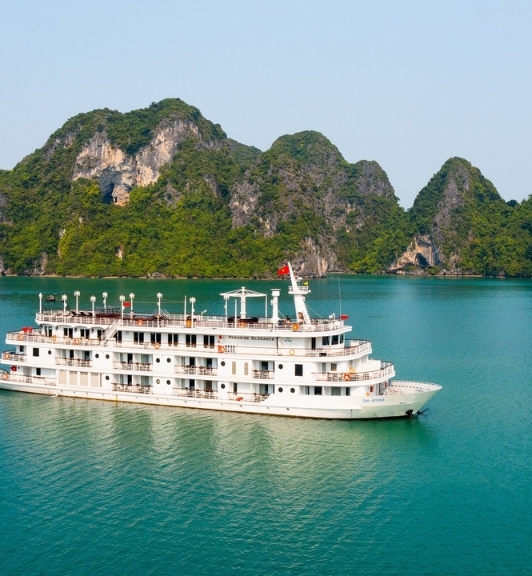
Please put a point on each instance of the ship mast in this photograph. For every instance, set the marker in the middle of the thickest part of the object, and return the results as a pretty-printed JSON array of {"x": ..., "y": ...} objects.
[{"x": 298, "y": 292}]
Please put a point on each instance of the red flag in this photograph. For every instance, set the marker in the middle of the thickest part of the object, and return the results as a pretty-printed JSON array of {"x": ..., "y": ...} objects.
[
  {"x": 127, "y": 304},
  {"x": 284, "y": 270},
  {"x": 344, "y": 317}
]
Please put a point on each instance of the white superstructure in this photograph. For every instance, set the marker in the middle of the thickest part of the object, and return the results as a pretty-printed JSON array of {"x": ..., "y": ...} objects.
[{"x": 301, "y": 367}]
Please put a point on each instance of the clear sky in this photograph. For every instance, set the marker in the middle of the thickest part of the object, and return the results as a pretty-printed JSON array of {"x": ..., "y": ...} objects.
[{"x": 408, "y": 83}]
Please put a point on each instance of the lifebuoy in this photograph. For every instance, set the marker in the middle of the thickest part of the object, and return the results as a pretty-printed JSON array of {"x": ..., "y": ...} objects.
[
  {"x": 140, "y": 322},
  {"x": 76, "y": 340},
  {"x": 291, "y": 352},
  {"x": 346, "y": 377},
  {"x": 242, "y": 325},
  {"x": 54, "y": 338},
  {"x": 221, "y": 349},
  {"x": 20, "y": 337},
  {"x": 295, "y": 327},
  {"x": 188, "y": 323},
  {"x": 5, "y": 376},
  {"x": 13, "y": 368},
  {"x": 239, "y": 399},
  {"x": 157, "y": 345}
]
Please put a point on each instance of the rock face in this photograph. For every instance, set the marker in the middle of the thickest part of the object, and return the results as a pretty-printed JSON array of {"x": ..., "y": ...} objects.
[
  {"x": 422, "y": 252},
  {"x": 304, "y": 178},
  {"x": 117, "y": 172},
  {"x": 448, "y": 214}
]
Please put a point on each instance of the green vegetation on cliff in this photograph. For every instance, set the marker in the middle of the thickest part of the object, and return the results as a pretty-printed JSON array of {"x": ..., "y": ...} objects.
[{"x": 220, "y": 208}]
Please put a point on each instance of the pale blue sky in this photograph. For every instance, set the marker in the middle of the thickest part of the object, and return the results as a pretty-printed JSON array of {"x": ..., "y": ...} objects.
[{"x": 407, "y": 83}]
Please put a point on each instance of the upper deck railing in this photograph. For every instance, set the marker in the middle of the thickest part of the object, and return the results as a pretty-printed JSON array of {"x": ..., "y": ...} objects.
[{"x": 186, "y": 322}]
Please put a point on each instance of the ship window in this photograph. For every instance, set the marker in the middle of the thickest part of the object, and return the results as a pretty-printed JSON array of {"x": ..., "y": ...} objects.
[
  {"x": 246, "y": 369},
  {"x": 336, "y": 391},
  {"x": 233, "y": 367},
  {"x": 335, "y": 339},
  {"x": 96, "y": 355},
  {"x": 222, "y": 386},
  {"x": 35, "y": 351},
  {"x": 317, "y": 390},
  {"x": 168, "y": 382},
  {"x": 168, "y": 359},
  {"x": 222, "y": 362},
  {"x": 173, "y": 339},
  {"x": 341, "y": 338},
  {"x": 107, "y": 377},
  {"x": 37, "y": 371},
  {"x": 49, "y": 351},
  {"x": 157, "y": 360},
  {"x": 348, "y": 391},
  {"x": 325, "y": 341},
  {"x": 280, "y": 366},
  {"x": 107, "y": 356},
  {"x": 334, "y": 367},
  {"x": 280, "y": 389},
  {"x": 298, "y": 370},
  {"x": 292, "y": 390},
  {"x": 235, "y": 387}
]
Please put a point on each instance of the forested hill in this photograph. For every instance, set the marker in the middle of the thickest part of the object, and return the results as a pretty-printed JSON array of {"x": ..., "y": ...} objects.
[{"x": 164, "y": 191}]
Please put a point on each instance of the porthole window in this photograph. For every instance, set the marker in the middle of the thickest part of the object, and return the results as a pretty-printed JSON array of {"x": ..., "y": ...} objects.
[
  {"x": 280, "y": 366},
  {"x": 158, "y": 381},
  {"x": 107, "y": 377},
  {"x": 292, "y": 390},
  {"x": 222, "y": 386},
  {"x": 107, "y": 356},
  {"x": 168, "y": 382},
  {"x": 96, "y": 355},
  {"x": 49, "y": 351},
  {"x": 168, "y": 360},
  {"x": 223, "y": 362},
  {"x": 157, "y": 360},
  {"x": 279, "y": 389}
]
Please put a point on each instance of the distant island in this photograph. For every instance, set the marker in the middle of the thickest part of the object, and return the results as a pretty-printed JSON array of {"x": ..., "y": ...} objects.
[{"x": 163, "y": 192}]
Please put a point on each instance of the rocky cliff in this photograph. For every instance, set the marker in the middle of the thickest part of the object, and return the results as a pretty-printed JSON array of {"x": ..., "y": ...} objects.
[{"x": 163, "y": 191}]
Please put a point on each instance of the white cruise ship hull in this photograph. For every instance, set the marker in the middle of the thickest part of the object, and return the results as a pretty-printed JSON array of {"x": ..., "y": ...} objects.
[{"x": 394, "y": 405}]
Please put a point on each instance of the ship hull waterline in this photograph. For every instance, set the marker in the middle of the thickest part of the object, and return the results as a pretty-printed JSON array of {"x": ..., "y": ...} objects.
[{"x": 399, "y": 406}]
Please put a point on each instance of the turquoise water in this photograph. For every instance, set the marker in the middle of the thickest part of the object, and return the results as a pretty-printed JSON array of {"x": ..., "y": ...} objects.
[{"x": 92, "y": 487}]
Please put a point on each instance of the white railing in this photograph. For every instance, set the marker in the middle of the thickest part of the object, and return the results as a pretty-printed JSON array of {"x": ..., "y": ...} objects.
[
  {"x": 13, "y": 356},
  {"x": 133, "y": 366},
  {"x": 73, "y": 362},
  {"x": 385, "y": 369},
  {"x": 196, "y": 370}
]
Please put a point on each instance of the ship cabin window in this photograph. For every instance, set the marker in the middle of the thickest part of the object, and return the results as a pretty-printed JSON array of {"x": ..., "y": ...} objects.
[
  {"x": 208, "y": 341},
  {"x": 334, "y": 367},
  {"x": 208, "y": 363},
  {"x": 37, "y": 371},
  {"x": 155, "y": 338},
  {"x": 348, "y": 391},
  {"x": 334, "y": 339},
  {"x": 304, "y": 390},
  {"x": 35, "y": 351},
  {"x": 325, "y": 341},
  {"x": 86, "y": 355},
  {"x": 68, "y": 332},
  {"x": 318, "y": 390},
  {"x": 235, "y": 387},
  {"x": 138, "y": 337},
  {"x": 192, "y": 384},
  {"x": 336, "y": 391},
  {"x": 192, "y": 361},
  {"x": 48, "y": 331},
  {"x": 191, "y": 340},
  {"x": 233, "y": 367},
  {"x": 264, "y": 366},
  {"x": 173, "y": 339},
  {"x": 341, "y": 338},
  {"x": 84, "y": 333},
  {"x": 119, "y": 336},
  {"x": 144, "y": 380},
  {"x": 71, "y": 354},
  {"x": 99, "y": 334},
  {"x": 298, "y": 370}
]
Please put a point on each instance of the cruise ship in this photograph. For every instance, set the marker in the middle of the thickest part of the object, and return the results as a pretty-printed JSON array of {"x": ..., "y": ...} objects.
[{"x": 304, "y": 366}]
